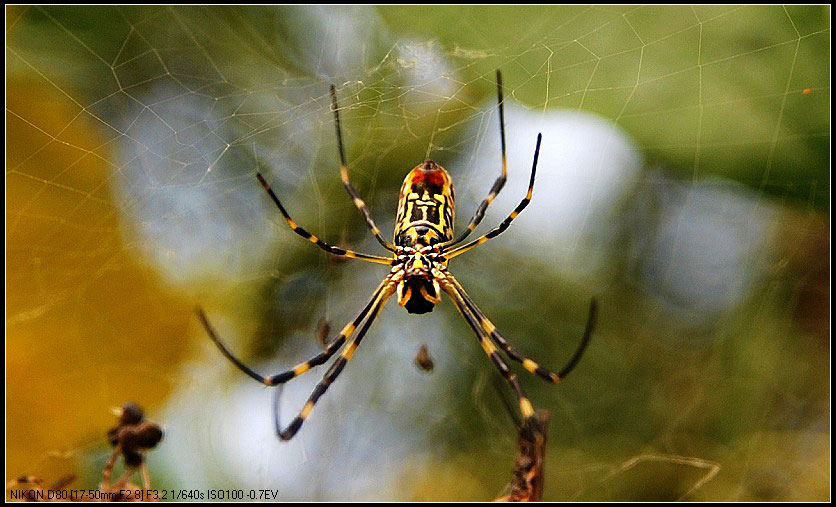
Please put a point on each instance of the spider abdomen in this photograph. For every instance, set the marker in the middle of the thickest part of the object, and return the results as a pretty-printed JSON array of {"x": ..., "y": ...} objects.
[{"x": 426, "y": 207}]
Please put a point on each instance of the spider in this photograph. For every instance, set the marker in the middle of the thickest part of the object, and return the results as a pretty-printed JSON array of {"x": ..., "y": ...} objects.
[{"x": 424, "y": 244}]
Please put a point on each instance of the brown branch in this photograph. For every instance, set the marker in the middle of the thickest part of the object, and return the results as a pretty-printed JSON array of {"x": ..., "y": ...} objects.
[{"x": 527, "y": 480}]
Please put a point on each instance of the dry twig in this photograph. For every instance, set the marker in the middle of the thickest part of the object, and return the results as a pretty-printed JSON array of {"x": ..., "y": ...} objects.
[{"x": 527, "y": 481}]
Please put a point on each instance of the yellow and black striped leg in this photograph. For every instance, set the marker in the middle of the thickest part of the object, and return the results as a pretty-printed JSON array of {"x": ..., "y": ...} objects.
[
  {"x": 510, "y": 218},
  {"x": 526, "y": 408},
  {"x": 500, "y": 181},
  {"x": 527, "y": 363},
  {"x": 335, "y": 369},
  {"x": 355, "y": 197},
  {"x": 315, "y": 240},
  {"x": 333, "y": 346}
]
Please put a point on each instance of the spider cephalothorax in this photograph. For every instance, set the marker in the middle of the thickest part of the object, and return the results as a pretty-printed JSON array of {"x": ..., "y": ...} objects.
[
  {"x": 425, "y": 242},
  {"x": 419, "y": 290}
]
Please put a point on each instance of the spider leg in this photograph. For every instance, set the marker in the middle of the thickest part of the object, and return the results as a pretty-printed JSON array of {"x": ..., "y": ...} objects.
[
  {"x": 526, "y": 408},
  {"x": 358, "y": 202},
  {"x": 510, "y": 218},
  {"x": 337, "y": 367},
  {"x": 500, "y": 181},
  {"x": 315, "y": 240},
  {"x": 527, "y": 363},
  {"x": 280, "y": 378}
]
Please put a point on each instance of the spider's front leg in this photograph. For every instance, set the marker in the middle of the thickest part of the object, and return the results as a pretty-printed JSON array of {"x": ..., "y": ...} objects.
[
  {"x": 369, "y": 313},
  {"x": 280, "y": 378},
  {"x": 526, "y": 408},
  {"x": 530, "y": 365},
  {"x": 489, "y": 338},
  {"x": 387, "y": 289}
]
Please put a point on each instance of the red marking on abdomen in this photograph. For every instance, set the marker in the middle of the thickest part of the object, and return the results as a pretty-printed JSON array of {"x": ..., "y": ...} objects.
[{"x": 434, "y": 178}]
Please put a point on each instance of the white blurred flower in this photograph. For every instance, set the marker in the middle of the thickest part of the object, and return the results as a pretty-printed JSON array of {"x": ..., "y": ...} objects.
[{"x": 699, "y": 246}]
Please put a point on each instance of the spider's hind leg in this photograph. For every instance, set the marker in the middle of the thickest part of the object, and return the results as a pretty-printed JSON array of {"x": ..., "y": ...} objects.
[
  {"x": 342, "y": 252},
  {"x": 352, "y": 192}
]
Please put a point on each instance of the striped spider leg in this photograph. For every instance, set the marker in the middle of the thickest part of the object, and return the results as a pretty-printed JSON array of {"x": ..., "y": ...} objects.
[
  {"x": 500, "y": 181},
  {"x": 314, "y": 239},
  {"x": 368, "y": 313},
  {"x": 337, "y": 366},
  {"x": 355, "y": 197},
  {"x": 531, "y": 366},
  {"x": 489, "y": 337}
]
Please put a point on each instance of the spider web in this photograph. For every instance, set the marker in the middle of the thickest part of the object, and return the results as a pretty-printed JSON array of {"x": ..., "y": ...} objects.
[{"x": 684, "y": 181}]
